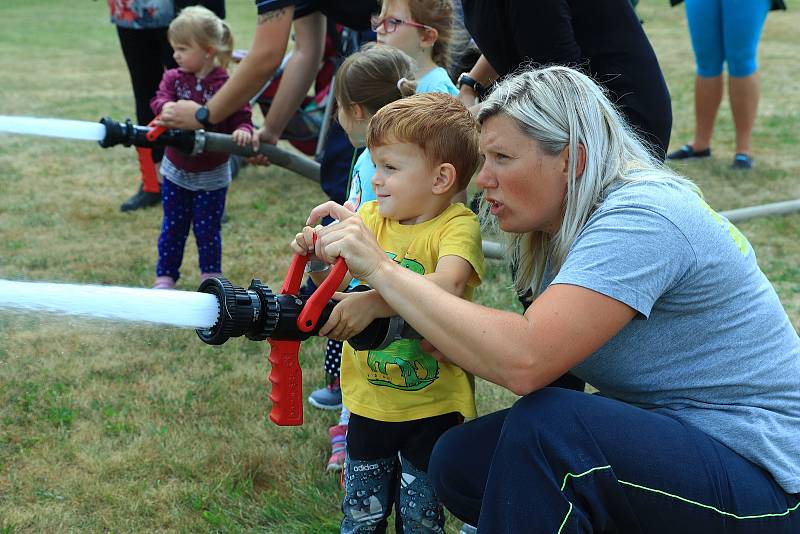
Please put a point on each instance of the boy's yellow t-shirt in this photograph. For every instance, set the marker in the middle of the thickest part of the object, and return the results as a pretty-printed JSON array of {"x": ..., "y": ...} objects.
[{"x": 401, "y": 382}]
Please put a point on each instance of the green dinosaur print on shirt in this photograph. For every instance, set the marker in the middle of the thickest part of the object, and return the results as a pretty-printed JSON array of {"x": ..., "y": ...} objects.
[{"x": 418, "y": 369}]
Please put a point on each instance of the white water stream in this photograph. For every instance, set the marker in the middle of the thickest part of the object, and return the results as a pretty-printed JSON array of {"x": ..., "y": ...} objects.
[
  {"x": 185, "y": 309},
  {"x": 68, "y": 129}
]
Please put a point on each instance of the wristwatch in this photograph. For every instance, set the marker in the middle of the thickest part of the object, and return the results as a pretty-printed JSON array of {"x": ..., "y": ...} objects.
[
  {"x": 202, "y": 117},
  {"x": 466, "y": 79}
]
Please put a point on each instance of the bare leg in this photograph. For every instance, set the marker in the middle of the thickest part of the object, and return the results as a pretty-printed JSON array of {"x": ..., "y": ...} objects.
[
  {"x": 744, "y": 94},
  {"x": 707, "y": 98}
]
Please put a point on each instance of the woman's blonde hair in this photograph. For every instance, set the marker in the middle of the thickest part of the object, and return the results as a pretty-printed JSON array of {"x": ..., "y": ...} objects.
[
  {"x": 373, "y": 77},
  {"x": 438, "y": 14},
  {"x": 197, "y": 24},
  {"x": 559, "y": 107}
]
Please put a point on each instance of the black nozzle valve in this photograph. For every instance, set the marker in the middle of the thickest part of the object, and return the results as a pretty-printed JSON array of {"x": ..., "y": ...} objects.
[
  {"x": 252, "y": 312},
  {"x": 127, "y": 134}
]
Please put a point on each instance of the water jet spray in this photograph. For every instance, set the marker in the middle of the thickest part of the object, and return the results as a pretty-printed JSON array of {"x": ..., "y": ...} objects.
[{"x": 109, "y": 132}]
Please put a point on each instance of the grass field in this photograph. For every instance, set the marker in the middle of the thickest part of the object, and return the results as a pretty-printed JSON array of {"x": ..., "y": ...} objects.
[{"x": 119, "y": 428}]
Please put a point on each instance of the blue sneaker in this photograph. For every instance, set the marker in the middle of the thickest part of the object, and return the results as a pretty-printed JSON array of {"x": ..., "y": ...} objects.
[
  {"x": 327, "y": 398},
  {"x": 466, "y": 528},
  {"x": 742, "y": 161}
]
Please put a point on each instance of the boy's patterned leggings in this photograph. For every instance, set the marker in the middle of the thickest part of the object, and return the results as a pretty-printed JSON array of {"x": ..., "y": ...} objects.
[{"x": 386, "y": 463}]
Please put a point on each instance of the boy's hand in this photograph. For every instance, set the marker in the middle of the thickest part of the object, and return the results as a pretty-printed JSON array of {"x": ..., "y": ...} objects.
[
  {"x": 303, "y": 242},
  {"x": 350, "y": 239},
  {"x": 241, "y": 137},
  {"x": 330, "y": 208},
  {"x": 263, "y": 135},
  {"x": 350, "y": 316}
]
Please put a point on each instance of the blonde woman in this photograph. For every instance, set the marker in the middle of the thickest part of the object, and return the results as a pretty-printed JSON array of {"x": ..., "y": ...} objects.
[{"x": 642, "y": 290}]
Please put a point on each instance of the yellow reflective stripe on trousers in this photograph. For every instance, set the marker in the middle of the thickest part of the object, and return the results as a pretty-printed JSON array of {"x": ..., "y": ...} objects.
[{"x": 660, "y": 492}]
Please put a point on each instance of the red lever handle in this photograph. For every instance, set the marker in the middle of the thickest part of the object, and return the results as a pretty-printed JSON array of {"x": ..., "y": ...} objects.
[
  {"x": 155, "y": 131},
  {"x": 291, "y": 284},
  {"x": 309, "y": 316},
  {"x": 286, "y": 375},
  {"x": 287, "y": 383}
]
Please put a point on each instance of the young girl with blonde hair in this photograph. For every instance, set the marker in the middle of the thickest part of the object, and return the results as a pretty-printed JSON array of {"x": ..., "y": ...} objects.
[{"x": 195, "y": 187}]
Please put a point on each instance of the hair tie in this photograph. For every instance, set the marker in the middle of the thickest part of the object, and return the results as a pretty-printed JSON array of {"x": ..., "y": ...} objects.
[{"x": 399, "y": 83}]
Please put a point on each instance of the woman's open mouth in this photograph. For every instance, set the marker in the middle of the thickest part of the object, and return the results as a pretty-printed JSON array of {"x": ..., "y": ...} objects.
[{"x": 494, "y": 206}]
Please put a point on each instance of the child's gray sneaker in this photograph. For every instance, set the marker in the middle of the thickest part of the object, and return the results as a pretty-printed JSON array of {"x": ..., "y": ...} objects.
[
  {"x": 327, "y": 398},
  {"x": 466, "y": 528}
]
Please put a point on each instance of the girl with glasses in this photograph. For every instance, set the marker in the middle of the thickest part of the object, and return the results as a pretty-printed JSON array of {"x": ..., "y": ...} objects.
[{"x": 423, "y": 29}]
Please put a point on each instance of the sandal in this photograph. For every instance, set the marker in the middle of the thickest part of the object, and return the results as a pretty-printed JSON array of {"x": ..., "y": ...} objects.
[{"x": 687, "y": 152}]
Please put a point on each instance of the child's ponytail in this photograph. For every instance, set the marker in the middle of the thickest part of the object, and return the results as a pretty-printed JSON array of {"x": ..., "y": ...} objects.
[
  {"x": 406, "y": 87},
  {"x": 374, "y": 76},
  {"x": 225, "y": 46}
]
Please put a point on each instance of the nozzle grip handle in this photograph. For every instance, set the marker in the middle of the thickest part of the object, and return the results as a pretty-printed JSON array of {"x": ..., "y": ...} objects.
[
  {"x": 307, "y": 320},
  {"x": 287, "y": 383}
]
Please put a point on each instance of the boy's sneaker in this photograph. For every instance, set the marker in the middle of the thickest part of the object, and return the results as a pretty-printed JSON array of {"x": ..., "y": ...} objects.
[
  {"x": 327, "y": 398},
  {"x": 338, "y": 435},
  {"x": 466, "y": 528}
]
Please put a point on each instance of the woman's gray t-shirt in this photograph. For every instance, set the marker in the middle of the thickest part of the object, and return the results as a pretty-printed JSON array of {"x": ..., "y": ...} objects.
[{"x": 712, "y": 345}]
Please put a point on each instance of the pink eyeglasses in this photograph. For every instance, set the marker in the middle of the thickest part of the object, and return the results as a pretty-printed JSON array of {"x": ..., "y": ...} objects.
[{"x": 390, "y": 24}]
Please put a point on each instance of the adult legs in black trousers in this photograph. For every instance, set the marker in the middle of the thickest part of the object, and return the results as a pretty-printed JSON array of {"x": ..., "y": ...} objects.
[{"x": 147, "y": 53}]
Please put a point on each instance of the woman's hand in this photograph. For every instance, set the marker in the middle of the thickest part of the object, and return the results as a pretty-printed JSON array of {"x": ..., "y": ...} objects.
[
  {"x": 179, "y": 114},
  {"x": 433, "y": 351},
  {"x": 468, "y": 97},
  {"x": 350, "y": 239}
]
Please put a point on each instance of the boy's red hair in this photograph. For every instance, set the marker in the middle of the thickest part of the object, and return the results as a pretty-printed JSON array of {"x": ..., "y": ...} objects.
[{"x": 436, "y": 122}]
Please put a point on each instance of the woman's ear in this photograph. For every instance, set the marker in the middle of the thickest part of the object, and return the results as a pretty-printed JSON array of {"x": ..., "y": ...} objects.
[
  {"x": 445, "y": 179},
  {"x": 580, "y": 165}
]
